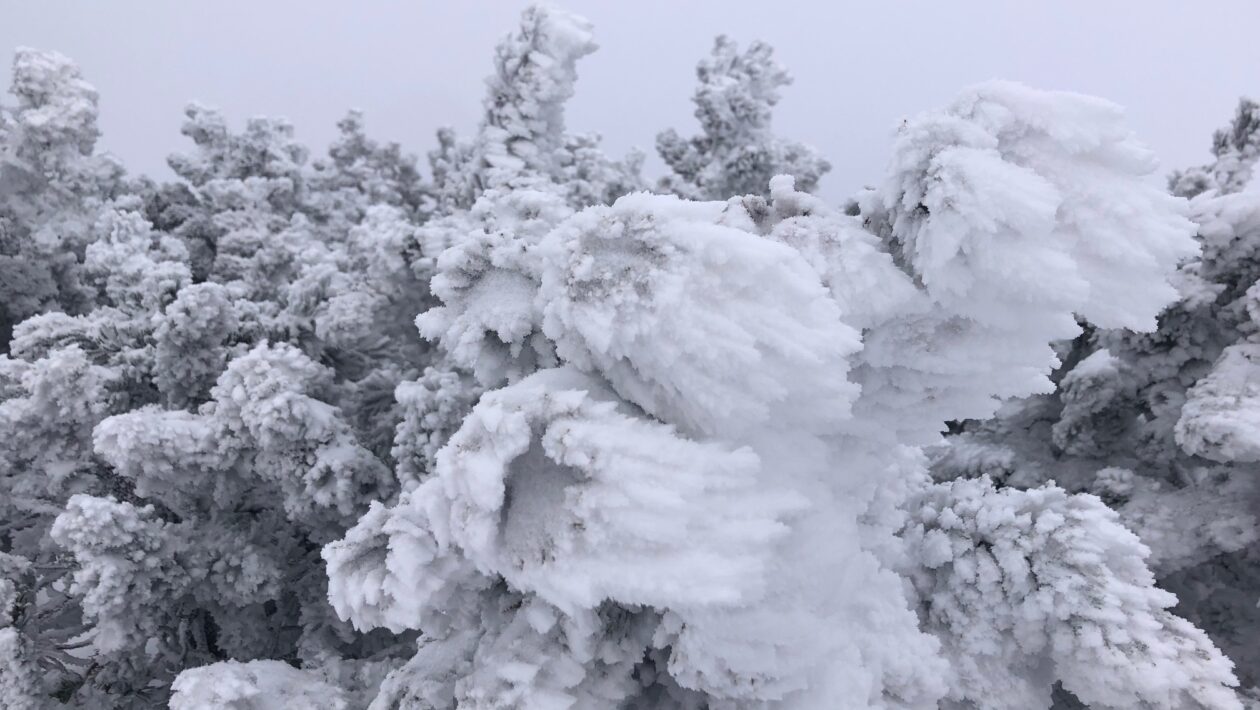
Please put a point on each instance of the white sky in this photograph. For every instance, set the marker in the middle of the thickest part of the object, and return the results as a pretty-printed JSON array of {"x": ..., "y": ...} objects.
[{"x": 1178, "y": 67}]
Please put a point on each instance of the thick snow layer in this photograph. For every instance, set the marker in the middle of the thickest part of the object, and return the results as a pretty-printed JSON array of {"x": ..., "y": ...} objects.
[
  {"x": 1221, "y": 417},
  {"x": 1014, "y": 200},
  {"x": 676, "y": 312},
  {"x": 646, "y": 450},
  {"x": 724, "y": 454},
  {"x": 1029, "y": 584},
  {"x": 256, "y": 685}
]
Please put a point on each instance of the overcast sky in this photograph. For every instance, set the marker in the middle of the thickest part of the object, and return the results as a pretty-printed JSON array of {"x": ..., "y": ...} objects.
[{"x": 1178, "y": 67}]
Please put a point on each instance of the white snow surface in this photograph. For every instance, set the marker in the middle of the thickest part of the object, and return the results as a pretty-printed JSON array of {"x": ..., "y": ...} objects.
[
  {"x": 256, "y": 685},
  {"x": 702, "y": 467},
  {"x": 649, "y": 451}
]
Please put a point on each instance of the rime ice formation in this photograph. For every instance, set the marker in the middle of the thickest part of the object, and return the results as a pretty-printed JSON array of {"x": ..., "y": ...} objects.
[
  {"x": 704, "y": 485},
  {"x": 1162, "y": 425},
  {"x": 322, "y": 432}
]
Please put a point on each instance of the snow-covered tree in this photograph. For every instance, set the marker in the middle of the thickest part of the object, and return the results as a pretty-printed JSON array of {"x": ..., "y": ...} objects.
[
  {"x": 1161, "y": 425},
  {"x": 1235, "y": 150},
  {"x": 360, "y": 173},
  {"x": 1027, "y": 585},
  {"x": 52, "y": 186},
  {"x": 245, "y": 190},
  {"x": 695, "y": 478},
  {"x": 656, "y": 451},
  {"x": 522, "y": 141},
  {"x": 248, "y": 487},
  {"x": 164, "y": 519},
  {"x": 251, "y": 686},
  {"x": 737, "y": 152},
  {"x": 521, "y": 176}
]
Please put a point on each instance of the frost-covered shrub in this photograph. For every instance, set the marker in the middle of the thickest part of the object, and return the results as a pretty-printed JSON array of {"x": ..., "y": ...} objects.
[
  {"x": 317, "y": 432},
  {"x": 205, "y": 395},
  {"x": 1162, "y": 424},
  {"x": 257, "y": 685},
  {"x": 736, "y": 153},
  {"x": 52, "y": 186},
  {"x": 694, "y": 478},
  {"x": 1022, "y": 585}
]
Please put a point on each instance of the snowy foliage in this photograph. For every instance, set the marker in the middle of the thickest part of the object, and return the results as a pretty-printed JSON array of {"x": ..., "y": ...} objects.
[
  {"x": 257, "y": 685},
  {"x": 1029, "y": 585},
  {"x": 178, "y": 451},
  {"x": 1235, "y": 150},
  {"x": 321, "y": 432},
  {"x": 737, "y": 153},
  {"x": 52, "y": 186},
  {"x": 1162, "y": 425},
  {"x": 649, "y": 355},
  {"x": 521, "y": 141}
]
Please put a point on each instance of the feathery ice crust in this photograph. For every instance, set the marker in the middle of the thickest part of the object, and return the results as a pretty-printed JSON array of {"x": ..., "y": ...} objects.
[
  {"x": 646, "y": 451},
  {"x": 717, "y": 352},
  {"x": 1160, "y": 424}
]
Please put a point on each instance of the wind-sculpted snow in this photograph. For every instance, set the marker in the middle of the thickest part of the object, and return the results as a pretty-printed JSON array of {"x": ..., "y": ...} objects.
[
  {"x": 488, "y": 321},
  {"x": 257, "y": 685},
  {"x": 724, "y": 458},
  {"x": 1160, "y": 424},
  {"x": 1029, "y": 586},
  {"x": 587, "y": 513},
  {"x": 994, "y": 208},
  {"x": 700, "y": 537},
  {"x": 736, "y": 153},
  {"x": 550, "y": 487},
  {"x": 1221, "y": 417},
  {"x": 672, "y": 309},
  {"x": 644, "y": 452},
  {"x": 851, "y": 261},
  {"x": 487, "y": 280},
  {"x": 1013, "y": 202}
]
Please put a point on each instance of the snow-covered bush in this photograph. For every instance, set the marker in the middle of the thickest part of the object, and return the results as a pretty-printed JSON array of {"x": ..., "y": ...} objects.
[
  {"x": 736, "y": 153},
  {"x": 1162, "y": 424},
  {"x": 257, "y": 685},
  {"x": 1022, "y": 585},
  {"x": 52, "y": 186},
  {"x": 206, "y": 401},
  {"x": 294, "y": 432},
  {"x": 695, "y": 480}
]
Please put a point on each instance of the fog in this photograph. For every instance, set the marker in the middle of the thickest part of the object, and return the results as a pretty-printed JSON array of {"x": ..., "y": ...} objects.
[{"x": 414, "y": 66}]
